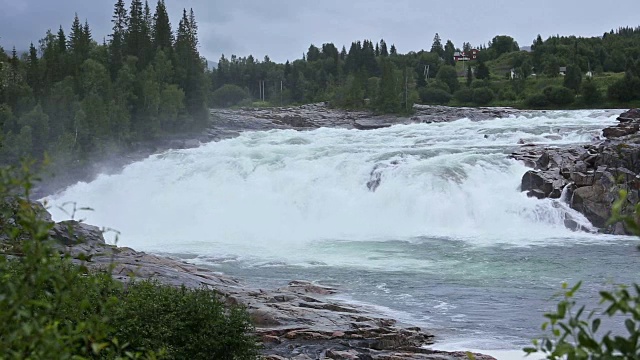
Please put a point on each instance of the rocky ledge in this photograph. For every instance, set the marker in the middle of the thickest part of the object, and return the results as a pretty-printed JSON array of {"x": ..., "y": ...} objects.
[
  {"x": 227, "y": 122},
  {"x": 299, "y": 321},
  {"x": 592, "y": 175}
]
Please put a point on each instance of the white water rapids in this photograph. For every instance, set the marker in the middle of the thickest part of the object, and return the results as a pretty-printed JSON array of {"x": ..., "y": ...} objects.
[{"x": 286, "y": 201}]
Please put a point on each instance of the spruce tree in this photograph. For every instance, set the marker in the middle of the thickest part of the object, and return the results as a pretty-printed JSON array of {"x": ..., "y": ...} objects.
[
  {"x": 62, "y": 41},
  {"x": 384, "y": 52},
  {"x": 120, "y": 20},
  {"x": 393, "y": 51},
  {"x": 161, "y": 30},
  {"x": 437, "y": 47}
]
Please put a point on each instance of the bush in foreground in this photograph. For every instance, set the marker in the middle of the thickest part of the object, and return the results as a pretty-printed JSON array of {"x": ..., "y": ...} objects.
[{"x": 51, "y": 308}]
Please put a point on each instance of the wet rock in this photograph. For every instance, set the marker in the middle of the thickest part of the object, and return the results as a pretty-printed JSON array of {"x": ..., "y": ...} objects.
[
  {"x": 72, "y": 232},
  {"x": 620, "y": 130},
  {"x": 630, "y": 116},
  {"x": 543, "y": 184},
  {"x": 592, "y": 202}
]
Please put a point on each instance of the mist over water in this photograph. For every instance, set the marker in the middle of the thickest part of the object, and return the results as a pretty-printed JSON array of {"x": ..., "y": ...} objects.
[{"x": 447, "y": 239}]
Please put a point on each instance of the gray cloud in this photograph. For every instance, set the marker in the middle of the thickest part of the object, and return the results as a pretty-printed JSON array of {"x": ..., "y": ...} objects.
[{"x": 284, "y": 29}]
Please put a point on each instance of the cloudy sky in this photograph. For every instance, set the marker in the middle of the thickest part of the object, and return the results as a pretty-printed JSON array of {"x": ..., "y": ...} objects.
[{"x": 283, "y": 29}]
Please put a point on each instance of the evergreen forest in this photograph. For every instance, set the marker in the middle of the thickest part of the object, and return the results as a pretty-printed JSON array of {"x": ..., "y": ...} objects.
[{"x": 73, "y": 98}]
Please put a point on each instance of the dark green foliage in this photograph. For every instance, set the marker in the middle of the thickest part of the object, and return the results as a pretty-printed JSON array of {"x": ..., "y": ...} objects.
[
  {"x": 431, "y": 95},
  {"x": 188, "y": 324},
  {"x": 469, "y": 76},
  {"x": 464, "y": 95},
  {"x": 389, "y": 99},
  {"x": 75, "y": 97},
  {"x": 51, "y": 308},
  {"x": 228, "y": 95},
  {"x": 503, "y": 44},
  {"x": 590, "y": 93},
  {"x": 448, "y": 75},
  {"x": 559, "y": 95},
  {"x": 483, "y": 96},
  {"x": 573, "y": 78},
  {"x": 575, "y": 333},
  {"x": 626, "y": 89},
  {"x": 537, "y": 101},
  {"x": 482, "y": 71}
]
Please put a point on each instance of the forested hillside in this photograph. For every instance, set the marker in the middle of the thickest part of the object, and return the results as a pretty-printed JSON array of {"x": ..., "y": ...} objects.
[
  {"x": 73, "y": 97},
  {"x": 600, "y": 71}
]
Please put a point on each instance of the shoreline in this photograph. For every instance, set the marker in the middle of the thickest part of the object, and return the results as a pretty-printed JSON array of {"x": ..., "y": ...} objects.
[{"x": 300, "y": 320}]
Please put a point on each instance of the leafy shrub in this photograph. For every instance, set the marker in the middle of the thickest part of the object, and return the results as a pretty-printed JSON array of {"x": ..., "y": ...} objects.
[
  {"x": 464, "y": 95},
  {"x": 537, "y": 101},
  {"x": 507, "y": 94},
  {"x": 434, "y": 96},
  {"x": 590, "y": 93},
  {"x": 51, "y": 308},
  {"x": 625, "y": 90},
  {"x": 482, "y": 96},
  {"x": 228, "y": 95},
  {"x": 188, "y": 324},
  {"x": 574, "y": 334},
  {"x": 559, "y": 95}
]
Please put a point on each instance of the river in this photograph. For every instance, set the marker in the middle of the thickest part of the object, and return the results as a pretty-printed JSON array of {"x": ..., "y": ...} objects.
[{"x": 446, "y": 241}]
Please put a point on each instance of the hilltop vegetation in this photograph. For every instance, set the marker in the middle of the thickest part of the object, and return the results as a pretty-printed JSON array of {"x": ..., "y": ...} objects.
[{"x": 74, "y": 98}]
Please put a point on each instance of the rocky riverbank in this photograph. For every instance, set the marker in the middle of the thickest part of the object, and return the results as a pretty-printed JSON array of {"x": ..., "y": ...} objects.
[
  {"x": 590, "y": 175},
  {"x": 299, "y": 321}
]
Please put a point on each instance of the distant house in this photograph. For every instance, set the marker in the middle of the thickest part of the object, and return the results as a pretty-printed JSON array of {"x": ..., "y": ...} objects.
[
  {"x": 589, "y": 74},
  {"x": 562, "y": 70},
  {"x": 463, "y": 56}
]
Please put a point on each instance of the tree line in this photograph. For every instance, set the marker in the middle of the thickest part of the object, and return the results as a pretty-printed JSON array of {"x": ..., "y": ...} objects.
[{"x": 73, "y": 97}]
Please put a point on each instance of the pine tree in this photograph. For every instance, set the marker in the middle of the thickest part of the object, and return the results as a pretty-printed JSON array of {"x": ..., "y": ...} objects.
[
  {"x": 161, "y": 30},
  {"x": 449, "y": 52},
  {"x": 383, "y": 49},
  {"x": 120, "y": 20},
  {"x": 62, "y": 41},
  {"x": 33, "y": 70},
  {"x": 437, "y": 47},
  {"x": 393, "y": 51},
  {"x": 469, "y": 76},
  {"x": 138, "y": 36}
]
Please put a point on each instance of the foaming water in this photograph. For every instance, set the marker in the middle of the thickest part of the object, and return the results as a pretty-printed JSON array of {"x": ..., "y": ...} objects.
[
  {"x": 446, "y": 240},
  {"x": 272, "y": 193}
]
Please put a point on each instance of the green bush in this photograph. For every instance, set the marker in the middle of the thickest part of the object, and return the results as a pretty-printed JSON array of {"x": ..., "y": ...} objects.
[
  {"x": 625, "y": 90},
  {"x": 188, "y": 324},
  {"x": 507, "y": 94},
  {"x": 228, "y": 95},
  {"x": 574, "y": 333},
  {"x": 51, "y": 308},
  {"x": 434, "y": 96},
  {"x": 559, "y": 95},
  {"x": 537, "y": 101},
  {"x": 483, "y": 96},
  {"x": 464, "y": 95},
  {"x": 590, "y": 93}
]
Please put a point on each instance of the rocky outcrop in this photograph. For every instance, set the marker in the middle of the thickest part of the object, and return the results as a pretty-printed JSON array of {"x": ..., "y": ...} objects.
[{"x": 591, "y": 175}]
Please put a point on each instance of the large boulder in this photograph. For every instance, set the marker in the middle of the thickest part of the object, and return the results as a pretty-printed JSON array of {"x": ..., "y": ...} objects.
[
  {"x": 543, "y": 184},
  {"x": 630, "y": 116},
  {"x": 72, "y": 233},
  {"x": 593, "y": 202}
]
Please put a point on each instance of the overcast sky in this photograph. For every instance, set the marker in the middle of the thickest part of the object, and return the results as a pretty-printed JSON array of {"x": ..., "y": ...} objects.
[{"x": 283, "y": 29}]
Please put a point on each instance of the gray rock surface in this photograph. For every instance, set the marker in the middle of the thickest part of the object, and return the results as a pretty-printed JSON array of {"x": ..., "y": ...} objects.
[{"x": 595, "y": 173}]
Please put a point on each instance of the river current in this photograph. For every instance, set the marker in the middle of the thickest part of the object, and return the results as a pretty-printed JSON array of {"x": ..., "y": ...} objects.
[{"x": 446, "y": 241}]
